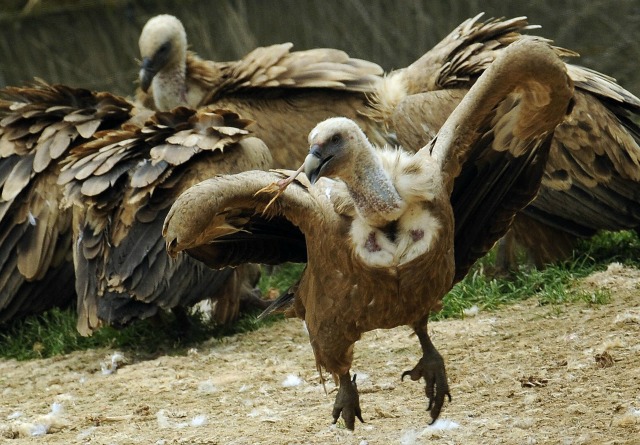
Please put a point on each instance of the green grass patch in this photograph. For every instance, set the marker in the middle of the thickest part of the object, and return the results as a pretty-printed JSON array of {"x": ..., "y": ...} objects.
[
  {"x": 553, "y": 285},
  {"x": 280, "y": 278},
  {"x": 54, "y": 333}
]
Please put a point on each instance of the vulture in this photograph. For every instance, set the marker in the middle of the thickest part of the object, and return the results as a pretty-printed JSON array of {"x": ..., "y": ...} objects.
[
  {"x": 83, "y": 175},
  {"x": 39, "y": 125},
  {"x": 284, "y": 92},
  {"x": 385, "y": 233}
]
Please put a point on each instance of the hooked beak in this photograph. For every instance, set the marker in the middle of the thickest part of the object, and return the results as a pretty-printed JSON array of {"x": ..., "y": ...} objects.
[
  {"x": 147, "y": 73},
  {"x": 314, "y": 163}
]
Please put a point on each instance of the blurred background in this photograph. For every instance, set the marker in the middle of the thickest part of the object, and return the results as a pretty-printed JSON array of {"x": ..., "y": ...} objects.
[{"x": 93, "y": 43}]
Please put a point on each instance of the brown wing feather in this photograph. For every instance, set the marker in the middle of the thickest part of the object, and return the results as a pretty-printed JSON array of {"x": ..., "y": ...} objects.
[
  {"x": 222, "y": 221},
  {"x": 123, "y": 184},
  {"x": 41, "y": 124}
]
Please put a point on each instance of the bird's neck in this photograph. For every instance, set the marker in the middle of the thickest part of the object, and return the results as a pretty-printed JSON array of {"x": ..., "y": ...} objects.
[
  {"x": 373, "y": 192},
  {"x": 170, "y": 87}
]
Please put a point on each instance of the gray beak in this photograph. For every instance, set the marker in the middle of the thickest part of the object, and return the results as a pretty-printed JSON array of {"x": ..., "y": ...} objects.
[
  {"x": 313, "y": 164},
  {"x": 147, "y": 73}
]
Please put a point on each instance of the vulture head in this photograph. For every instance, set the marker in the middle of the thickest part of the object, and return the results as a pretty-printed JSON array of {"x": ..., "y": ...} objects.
[
  {"x": 163, "y": 47},
  {"x": 334, "y": 147},
  {"x": 340, "y": 149}
]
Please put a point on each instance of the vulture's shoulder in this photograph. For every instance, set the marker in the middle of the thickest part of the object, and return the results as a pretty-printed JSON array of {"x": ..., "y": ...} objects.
[
  {"x": 592, "y": 179},
  {"x": 599, "y": 141}
]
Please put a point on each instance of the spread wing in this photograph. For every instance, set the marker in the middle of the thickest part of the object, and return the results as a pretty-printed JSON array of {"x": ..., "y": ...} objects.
[
  {"x": 227, "y": 220},
  {"x": 41, "y": 124},
  {"x": 494, "y": 146},
  {"x": 123, "y": 184},
  {"x": 276, "y": 66}
]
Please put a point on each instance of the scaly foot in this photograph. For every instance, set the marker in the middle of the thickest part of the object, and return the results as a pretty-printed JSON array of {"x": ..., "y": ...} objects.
[
  {"x": 347, "y": 402},
  {"x": 431, "y": 368}
]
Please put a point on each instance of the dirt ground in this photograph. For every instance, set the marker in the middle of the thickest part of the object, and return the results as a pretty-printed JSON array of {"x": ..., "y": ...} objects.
[{"x": 579, "y": 363}]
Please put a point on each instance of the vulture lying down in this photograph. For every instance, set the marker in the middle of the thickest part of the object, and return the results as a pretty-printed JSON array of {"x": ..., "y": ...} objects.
[{"x": 385, "y": 233}]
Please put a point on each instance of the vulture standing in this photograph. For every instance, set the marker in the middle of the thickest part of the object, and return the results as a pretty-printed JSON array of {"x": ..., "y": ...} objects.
[
  {"x": 39, "y": 125},
  {"x": 285, "y": 92},
  {"x": 387, "y": 237},
  {"x": 122, "y": 166}
]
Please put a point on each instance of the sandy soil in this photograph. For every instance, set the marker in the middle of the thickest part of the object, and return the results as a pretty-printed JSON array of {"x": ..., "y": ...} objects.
[{"x": 580, "y": 365}]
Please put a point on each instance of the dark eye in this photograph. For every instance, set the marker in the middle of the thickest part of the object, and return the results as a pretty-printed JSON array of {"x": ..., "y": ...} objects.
[
  {"x": 335, "y": 139},
  {"x": 164, "y": 47}
]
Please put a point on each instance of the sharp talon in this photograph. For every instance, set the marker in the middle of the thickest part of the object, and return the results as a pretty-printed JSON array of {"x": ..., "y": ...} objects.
[
  {"x": 347, "y": 404},
  {"x": 431, "y": 369}
]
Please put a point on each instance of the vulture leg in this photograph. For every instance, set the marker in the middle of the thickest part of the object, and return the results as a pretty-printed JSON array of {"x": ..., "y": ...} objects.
[
  {"x": 506, "y": 254},
  {"x": 431, "y": 368},
  {"x": 253, "y": 300},
  {"x": 347, "y": 401}
]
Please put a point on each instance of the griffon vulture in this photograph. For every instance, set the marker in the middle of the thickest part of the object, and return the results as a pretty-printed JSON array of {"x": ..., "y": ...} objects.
[
  {"x": 40, "y": 124},
  {"x": 390, "y": 233},
  {"x": 63, "y": 145},
  {"x": 285, "y": 92}
]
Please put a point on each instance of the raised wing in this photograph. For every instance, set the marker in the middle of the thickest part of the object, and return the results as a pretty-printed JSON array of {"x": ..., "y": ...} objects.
[
  {"x": 494, "y": 146},
  {"x": 227, "y": 220}
]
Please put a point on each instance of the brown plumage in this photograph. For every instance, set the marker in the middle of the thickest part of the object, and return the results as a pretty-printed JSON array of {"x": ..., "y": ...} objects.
[
  {"x": 40, "y": 124},
  {"x": 285, "y": 92},
  {"x": 591, "y": 181},
  {"x": 122, "y": 167},
  {"x": 122, "y": 185},
  {"x": 380, "y": 240}
]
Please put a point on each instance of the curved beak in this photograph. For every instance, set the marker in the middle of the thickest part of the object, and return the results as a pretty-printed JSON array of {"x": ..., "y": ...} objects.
[
  {"x": 313, "y": 163},
  {"x": 147, "y": 73}
]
